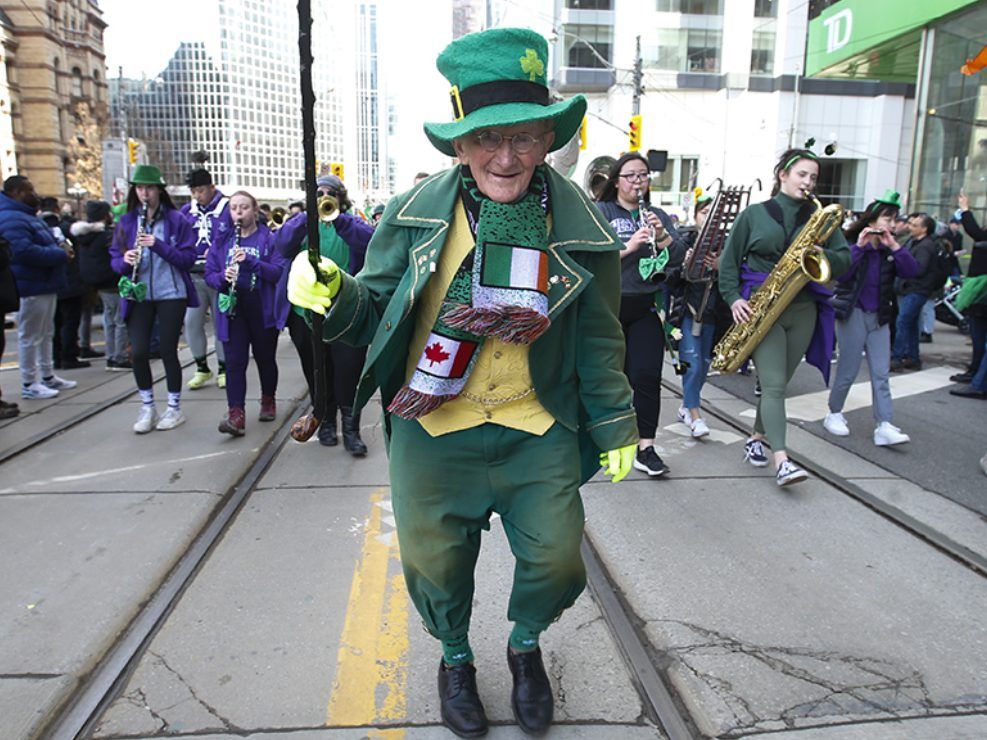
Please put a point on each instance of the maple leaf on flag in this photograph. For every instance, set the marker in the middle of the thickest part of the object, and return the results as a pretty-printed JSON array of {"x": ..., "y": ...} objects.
[{"x": 434, "y": 353}]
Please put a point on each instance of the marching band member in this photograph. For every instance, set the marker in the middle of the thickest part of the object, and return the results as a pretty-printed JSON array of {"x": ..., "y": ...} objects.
[
  {"x": 759, "y": 237},
  {"x": 695, "y": 351},
  {"x": 343, "y": 240},
  {"x": 864, "y": 304},
  {"x": 153, "y": 249},
  {"x": 244, "y": 268},
  {"x": 489, "y": 299},
  {"x": 626, "y": 187},
  {"x": 209, "y": 214}
]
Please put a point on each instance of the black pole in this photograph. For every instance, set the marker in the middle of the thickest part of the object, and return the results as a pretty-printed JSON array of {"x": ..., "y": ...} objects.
[{"x": 305, "y": 427}]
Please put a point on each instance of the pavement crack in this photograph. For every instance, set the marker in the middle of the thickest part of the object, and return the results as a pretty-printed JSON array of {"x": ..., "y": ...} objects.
[
  {"x": 138, "y": 698},
  {"x": 227, "y": 725},
  {"x": 556, "y": 666},
  {"x": 839, "y": 684}
]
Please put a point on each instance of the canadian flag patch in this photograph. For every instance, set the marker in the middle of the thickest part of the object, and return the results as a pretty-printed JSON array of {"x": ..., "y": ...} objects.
[{"x": 445, "y": 357}]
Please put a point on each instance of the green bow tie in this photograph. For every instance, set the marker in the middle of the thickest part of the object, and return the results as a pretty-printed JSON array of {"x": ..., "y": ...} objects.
[
  {"x": 227, "y": 302},
  {"x": 129, "y": 289},
  {"x": 648, "y": 266}
]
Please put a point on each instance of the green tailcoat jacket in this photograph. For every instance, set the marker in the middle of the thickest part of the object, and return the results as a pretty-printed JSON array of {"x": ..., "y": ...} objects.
[{"x": 576, "y": 365}]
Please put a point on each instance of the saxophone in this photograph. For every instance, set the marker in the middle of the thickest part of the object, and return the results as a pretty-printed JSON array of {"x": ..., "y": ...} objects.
[{"x": 800, "y": 263}]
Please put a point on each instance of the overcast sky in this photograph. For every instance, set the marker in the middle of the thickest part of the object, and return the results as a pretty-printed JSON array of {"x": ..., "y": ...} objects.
[{"x": 143, "y": 42}]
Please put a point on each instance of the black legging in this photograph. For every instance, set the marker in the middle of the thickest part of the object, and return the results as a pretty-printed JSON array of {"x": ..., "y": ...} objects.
[
  {"x": 343, "y": 365},
  {"x": 643, "y": 358},
  {"x": 140, "y": 324}
]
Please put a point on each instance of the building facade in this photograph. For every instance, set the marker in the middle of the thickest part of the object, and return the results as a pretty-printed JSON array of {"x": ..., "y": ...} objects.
[
  {"x": 928, "y": 44},
  {"x": 237, "y": 98},
  {"x": 725, "y": 104},
  {"x": 53, "y": 63}
]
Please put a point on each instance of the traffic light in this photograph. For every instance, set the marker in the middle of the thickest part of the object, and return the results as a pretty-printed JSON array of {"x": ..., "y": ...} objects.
[
  {"x": 336, "y": 168},
  {"x": 582, "y": 134},
  {"x": 634, "y": 134},
  {"x": 132, "y": 149}
]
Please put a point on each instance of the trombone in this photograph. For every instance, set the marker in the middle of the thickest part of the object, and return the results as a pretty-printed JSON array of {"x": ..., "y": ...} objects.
[{"x": 278, "y": 215}]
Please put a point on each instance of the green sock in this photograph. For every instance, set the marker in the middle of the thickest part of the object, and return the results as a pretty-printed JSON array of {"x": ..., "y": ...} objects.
[
  {"x": 201, "y": 365},
  {"x": 456, "y": 650},
  {"x": 524, "y": 640}
]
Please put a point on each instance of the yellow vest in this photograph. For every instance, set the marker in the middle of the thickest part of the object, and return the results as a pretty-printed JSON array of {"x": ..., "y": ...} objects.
[{"x": 499, "y": 389}]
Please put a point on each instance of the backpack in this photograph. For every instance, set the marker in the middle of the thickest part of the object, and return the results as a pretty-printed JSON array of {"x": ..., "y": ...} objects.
[{"x": 940, "y": 264}]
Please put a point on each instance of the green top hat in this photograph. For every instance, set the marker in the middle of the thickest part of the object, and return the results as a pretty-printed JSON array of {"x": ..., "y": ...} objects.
[
  {"x": 891, "y": 197},
  {"x": 147, "y": 174},
  {"x": 498, "y": 79}
]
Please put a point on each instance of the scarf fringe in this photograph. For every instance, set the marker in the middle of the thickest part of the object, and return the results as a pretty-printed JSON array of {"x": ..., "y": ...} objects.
[
  {"x": 512, "y": 324},
  {"x": 411, "y": 404}
]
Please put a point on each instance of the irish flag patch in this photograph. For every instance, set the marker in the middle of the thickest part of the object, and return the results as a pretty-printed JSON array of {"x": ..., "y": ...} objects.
[{"x": 513, "y": 267}]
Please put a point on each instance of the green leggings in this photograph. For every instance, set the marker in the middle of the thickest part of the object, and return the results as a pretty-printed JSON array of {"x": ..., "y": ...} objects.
[
  {"x": 444, "y": 490},
  {"x": 777, "y": 357}
]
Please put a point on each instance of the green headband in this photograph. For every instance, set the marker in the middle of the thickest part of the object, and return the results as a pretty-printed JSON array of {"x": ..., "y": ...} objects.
[{"x": 804, "y": 154}]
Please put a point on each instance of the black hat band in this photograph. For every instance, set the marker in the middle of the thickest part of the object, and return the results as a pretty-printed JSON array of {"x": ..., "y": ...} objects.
[{"x": 485, "y": 94}]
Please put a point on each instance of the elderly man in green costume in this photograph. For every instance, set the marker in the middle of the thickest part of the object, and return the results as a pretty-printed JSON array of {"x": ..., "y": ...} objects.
[{"x": 489, "y": 302}]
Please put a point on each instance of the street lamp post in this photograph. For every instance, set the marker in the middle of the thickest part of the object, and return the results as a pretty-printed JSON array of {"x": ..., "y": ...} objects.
[{"x": 78, "y": 192}]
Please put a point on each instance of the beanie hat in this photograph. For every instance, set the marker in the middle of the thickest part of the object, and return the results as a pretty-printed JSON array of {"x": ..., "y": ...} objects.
[
  {"x": 197, "y": 177},
  {"x": 97, "y": 210}
]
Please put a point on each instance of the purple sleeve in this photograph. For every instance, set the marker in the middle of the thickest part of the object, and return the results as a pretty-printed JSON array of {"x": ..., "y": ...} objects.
[
  {"x": 183, "y": 254},
  {"x": 271, "y": 265},
  {"x": 120, "y": 245},
  {"x": 905, "y": 265},
  {"x": 357, "y": 234},
  {"x": 291, "y": 235},
  {"x": 856, "y": 254},
  {"x": 214, "y": 272}
]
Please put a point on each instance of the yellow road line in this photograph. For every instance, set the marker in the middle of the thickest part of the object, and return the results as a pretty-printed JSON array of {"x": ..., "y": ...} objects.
[{"x": 370, "y": 685}]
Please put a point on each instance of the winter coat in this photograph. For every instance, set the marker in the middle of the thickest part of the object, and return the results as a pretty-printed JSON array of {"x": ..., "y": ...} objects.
[
  {"x": 38, "y": 262},
  {"x": 924, "y": 252},
  {"x": 92, "y": 251}
]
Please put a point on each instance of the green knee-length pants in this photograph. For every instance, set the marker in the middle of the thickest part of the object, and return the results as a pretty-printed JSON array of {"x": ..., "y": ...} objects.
[
  {"x": 444, "y": 490},
  {"x": 777, "y": 357}
]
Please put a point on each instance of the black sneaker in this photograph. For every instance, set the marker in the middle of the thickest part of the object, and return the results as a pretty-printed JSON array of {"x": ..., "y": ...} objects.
[
  {"x": 88, "y": 353},
  {"x": 788, "y": 473},
  {"x": 73, "y": 364},
  {"x": 754, "y": 453},
  {"x": 964, "y": 377},
  {"x": 648, "y": 461},
  {"x": 757, "y": 388}
]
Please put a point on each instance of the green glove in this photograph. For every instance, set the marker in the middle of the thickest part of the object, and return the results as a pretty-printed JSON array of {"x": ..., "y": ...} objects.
[
  {"x": 307, "y": 292},
  {"x": 617, "y": 463}
]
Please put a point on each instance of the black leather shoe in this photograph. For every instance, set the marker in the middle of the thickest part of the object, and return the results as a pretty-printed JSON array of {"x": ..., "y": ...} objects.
[
  {"x": 968, "y": 392},
  {"x": 351, "y": 432},
  {"x": 531, "y": 698},
  {"x": 327, "y": 433},
  {"x": 462, "y": 710},
  {"x": 961, "y": 378}
]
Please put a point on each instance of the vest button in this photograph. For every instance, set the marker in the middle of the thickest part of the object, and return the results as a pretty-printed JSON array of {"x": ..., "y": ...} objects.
[
  {"x": 497, "y": 355},
  {"x": 487, "y": 415},
  {"x": 492, "y": 386}
]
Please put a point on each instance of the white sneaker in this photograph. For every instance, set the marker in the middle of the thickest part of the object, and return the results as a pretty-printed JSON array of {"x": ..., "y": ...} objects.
[
  {"x": 37, "y": 390},
  {"x": 788, "y": 473},
  {"x": 887, "y": 434},
  {"x": 59, "y": 384},
  {"x": 836, "y": 425},
  {"x": 147, "y": 417},
  {"x": 170, "y": 419},
  {"x": 699, "y": 428},
  {"x": 685, "y": 417}
]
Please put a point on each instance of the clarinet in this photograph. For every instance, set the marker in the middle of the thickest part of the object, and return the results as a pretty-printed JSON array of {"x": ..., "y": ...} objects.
[
  {"x": 658, "y": 261},
  {"x": 231, "y": 261},
  {"x": 141, "y": 230}
]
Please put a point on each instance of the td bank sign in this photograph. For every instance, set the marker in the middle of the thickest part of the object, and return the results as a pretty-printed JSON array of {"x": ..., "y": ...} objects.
[{"x": 849, "y": 29}]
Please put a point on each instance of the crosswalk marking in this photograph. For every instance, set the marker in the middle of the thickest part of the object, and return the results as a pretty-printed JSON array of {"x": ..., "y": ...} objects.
[{"x": 815, "y": 406}]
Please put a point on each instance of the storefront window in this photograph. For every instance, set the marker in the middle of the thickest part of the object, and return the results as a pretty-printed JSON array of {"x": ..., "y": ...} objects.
[{"x": 952, "y": 151}]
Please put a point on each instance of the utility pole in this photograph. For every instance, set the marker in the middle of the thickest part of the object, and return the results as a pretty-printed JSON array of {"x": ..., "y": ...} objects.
[{"x": 638, "y": 79}]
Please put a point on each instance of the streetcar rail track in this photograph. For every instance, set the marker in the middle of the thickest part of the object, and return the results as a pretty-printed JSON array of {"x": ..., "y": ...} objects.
[
  {"x": 89, "y": 412},
  {"x": 930, "y": 535},
  {"x": 100, "y": 687}
]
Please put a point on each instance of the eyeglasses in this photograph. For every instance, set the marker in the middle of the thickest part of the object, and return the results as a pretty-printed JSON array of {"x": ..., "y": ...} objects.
[
  {"x": 635, "y": 176},
  {"x": 490, "y": 141}
]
